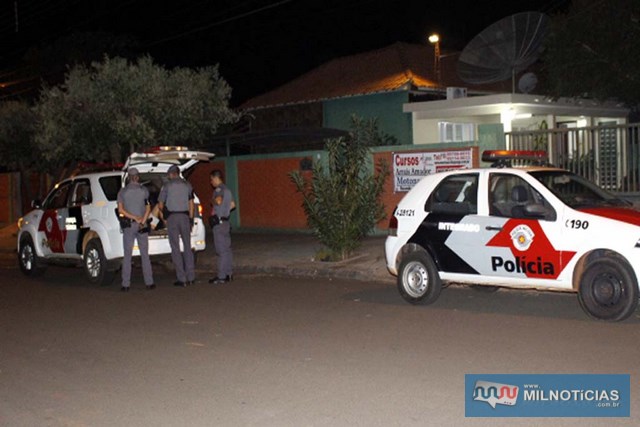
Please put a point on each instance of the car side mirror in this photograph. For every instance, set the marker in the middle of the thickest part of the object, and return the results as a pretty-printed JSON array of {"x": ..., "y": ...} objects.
[{"x": 36, "y": 204}]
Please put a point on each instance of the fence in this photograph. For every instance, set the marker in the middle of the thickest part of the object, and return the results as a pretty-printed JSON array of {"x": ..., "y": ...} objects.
[{"x": 607, "y": 155}]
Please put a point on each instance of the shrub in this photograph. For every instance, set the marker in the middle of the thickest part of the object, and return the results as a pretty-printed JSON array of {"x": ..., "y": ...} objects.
[{"x": 342, "y": 198}]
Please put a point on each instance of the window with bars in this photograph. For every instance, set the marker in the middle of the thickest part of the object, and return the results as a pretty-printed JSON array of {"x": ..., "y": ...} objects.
[{"x": 456, "y": 132}]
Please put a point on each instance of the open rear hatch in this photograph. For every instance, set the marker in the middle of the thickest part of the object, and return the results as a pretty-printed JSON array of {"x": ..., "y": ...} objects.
[
  {"x": 169, "y": 155},
  {"x": 153, "y": 165}
]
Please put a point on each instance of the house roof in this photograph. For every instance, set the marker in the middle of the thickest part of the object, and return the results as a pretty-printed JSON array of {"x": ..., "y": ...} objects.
[{"x": 395, "y": 67}]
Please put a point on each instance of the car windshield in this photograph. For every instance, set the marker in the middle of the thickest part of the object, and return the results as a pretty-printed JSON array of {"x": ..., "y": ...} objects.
[{"x": 576, "y": 191}]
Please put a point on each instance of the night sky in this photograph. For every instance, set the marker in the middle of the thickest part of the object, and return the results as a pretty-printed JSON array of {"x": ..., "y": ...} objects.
[{"x": 258, "y": 44}]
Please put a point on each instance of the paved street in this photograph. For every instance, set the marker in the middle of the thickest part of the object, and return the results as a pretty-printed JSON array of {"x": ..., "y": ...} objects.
[{"x": 269, "y": 351}]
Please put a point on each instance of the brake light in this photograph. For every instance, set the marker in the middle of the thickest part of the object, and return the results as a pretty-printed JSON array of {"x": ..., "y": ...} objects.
[
  {"x": 199, "y": 209},
  {"x": 393, "y": 224}
]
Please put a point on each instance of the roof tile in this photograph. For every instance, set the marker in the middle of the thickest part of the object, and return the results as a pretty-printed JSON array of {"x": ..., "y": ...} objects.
[{"x": 394, "y": 67}]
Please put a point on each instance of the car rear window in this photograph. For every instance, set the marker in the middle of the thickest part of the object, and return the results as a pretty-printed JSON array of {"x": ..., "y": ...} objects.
[{"x": 111, "y": 185}]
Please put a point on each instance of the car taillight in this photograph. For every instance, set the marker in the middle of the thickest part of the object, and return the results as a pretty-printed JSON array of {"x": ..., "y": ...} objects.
[
  {"x": 199, "y": 210},
  {"x": 393, "y": 224}
]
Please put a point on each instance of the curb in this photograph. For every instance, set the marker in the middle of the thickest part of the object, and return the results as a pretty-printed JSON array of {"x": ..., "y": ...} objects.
[{"x": 312, "y": 272}]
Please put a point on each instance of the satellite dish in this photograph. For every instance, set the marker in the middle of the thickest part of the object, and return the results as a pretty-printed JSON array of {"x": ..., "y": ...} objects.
[
  {"x": 503, "y": 49},
  {"x": 527, "y": 82}
]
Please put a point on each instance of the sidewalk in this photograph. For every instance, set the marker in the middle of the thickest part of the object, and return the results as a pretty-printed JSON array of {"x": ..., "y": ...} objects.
[{"x": 283, "y": 254}]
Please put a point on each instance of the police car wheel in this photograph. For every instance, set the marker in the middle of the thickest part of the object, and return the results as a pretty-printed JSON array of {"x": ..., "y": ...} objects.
[
  {"x": 418, "y": 279},
  {"x": 95, "y": 264},
  {"x": 608, "y": 289},
  {"x": 30, "y": 263}
]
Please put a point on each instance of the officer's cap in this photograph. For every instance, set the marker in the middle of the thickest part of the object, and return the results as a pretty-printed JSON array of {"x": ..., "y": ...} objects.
[
  {"x": 174, "y": 169},
  {"x": 133, "y": 172}
]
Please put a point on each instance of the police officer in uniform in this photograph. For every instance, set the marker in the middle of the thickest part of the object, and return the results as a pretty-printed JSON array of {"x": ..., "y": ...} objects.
[
  {"x": 222, "y": 204},
  {"x": 134, "y": 209},
  {"x": 177, "y": 207}
]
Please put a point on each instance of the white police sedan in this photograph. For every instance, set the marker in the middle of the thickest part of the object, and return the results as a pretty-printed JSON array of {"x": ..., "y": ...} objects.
[{"x": 518, "y": 227}]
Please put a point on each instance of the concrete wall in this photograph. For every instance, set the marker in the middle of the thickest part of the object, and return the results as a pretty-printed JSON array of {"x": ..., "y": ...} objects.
[
  {"x": 266, "y": 198},
  {"x": 386, "y": 107}
]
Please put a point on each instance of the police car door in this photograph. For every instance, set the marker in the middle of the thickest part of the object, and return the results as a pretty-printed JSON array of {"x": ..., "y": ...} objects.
[
  {"x": 52, "y": 229},
  {"x": 451, "y": 221},
  {"x": 74, "y": 222},
  {"x": 513, "y": 241}
]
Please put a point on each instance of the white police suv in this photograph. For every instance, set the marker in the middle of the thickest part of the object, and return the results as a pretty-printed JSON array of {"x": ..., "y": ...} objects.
[
  {"x": 77, "y": 222},
  {"x": 519, "y": 227}
]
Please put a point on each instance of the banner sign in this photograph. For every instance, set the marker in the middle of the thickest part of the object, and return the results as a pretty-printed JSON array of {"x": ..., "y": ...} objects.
[
  {"x": 409, "y": 168},
  {"x": 547, "y": 395}
]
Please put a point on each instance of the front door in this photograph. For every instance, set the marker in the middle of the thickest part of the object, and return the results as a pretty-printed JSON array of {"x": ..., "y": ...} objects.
[
  {"x": 74, "y": 222},
  {"x": 514, "y": 240},
  {"x": 52, "y": 228}
]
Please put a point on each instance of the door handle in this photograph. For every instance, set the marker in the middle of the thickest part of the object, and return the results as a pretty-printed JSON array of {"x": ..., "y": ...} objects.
[{"x": 493, "y": 228}]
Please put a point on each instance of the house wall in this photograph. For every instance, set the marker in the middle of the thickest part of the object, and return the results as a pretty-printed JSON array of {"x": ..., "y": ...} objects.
[
  {"x": 266, "y": 198},
  {"x": 288, "y": 116},
  {"x": 386, "y": 107}
]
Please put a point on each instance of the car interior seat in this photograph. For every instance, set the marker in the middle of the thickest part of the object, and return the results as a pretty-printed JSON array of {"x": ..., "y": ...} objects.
[
  {"x": 499, "y": 199},
  {"x": 471, "y": 198},
  {"x": 443, "y": 194},
  {"x": 520, "y": 197},
  {"x": 83, "y": 195}
]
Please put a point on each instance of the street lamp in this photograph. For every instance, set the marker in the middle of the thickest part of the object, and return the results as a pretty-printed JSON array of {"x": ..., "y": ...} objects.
[{"x": 434, "y": 39}]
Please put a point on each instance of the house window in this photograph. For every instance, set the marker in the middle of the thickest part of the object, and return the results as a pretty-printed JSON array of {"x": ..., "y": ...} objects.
[{"x": 456, "y": 132}]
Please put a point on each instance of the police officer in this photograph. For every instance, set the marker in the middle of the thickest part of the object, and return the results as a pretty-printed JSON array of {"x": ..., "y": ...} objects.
[
  {"x": 222, "y": 204},
  {"x": 134, "y": 209},
  {"x": 177, "y": 207}
]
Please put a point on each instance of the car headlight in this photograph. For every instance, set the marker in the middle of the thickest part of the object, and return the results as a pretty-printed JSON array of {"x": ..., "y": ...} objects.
[{"x": 20, "y": 221}]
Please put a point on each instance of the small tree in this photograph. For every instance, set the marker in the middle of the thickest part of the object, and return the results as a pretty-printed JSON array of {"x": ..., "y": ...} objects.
[
  {"x": 342, "y": 201},
  {"x": 592, "y": 51},
  {"x": 106, "y": 111},
  {"x": 17, "y": 149}
]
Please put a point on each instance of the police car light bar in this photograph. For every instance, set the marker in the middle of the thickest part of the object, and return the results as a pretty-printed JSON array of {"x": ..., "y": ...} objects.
[
  {"x": 162, "y": 148},
  {"x": 504, "y": 157}
]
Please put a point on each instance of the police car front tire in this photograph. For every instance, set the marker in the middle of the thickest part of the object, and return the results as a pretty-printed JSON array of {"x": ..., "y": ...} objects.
[
  {"x": 96, "y": 265},
  {"x": 418, "y": 279},
  {"x": 608, "y": 289},
  {"x": 30, "y": 263}
]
